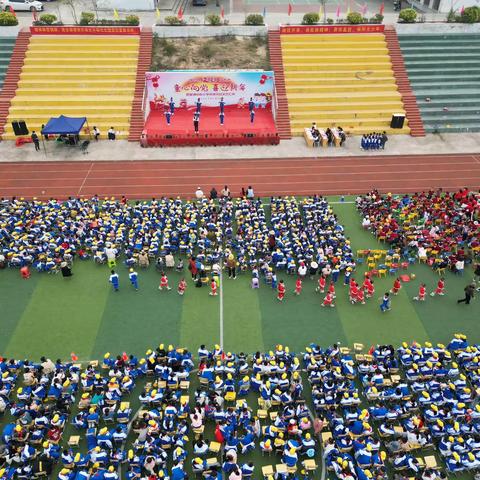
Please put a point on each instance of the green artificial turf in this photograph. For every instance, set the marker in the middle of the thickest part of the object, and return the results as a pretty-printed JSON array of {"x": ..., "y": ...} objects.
[{"x": 48, "y": 314}]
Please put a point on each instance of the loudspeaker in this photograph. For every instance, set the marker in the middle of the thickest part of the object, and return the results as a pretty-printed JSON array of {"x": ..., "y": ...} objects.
[
  {"x": 397, "y": 120},
  {"x": 20, "y": 128},
  {"x": 250, "y": 135},
  {"x": 168, "y": 136}
]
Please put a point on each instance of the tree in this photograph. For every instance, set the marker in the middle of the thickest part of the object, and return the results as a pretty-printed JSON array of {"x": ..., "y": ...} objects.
[{"x": 72, "y": 6}]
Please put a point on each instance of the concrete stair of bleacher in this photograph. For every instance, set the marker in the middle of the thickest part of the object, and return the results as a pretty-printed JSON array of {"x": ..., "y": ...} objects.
[
  {"x": 444, "y": 72},
  {"x": 340, "y": 80},
  {"x": 92, "y": 76},
  {"x": 6, "y": 49}
]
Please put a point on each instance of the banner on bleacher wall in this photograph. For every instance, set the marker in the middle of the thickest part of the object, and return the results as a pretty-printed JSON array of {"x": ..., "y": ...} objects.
[
  {"x": 319, "y": 29},
  {"x": 83, "y": 30},
  {"x": 210, "y": 86}
]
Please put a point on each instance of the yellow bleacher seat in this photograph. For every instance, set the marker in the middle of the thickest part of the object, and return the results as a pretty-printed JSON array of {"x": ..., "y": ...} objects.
[
  {"x": 91, "y": 76},
  {"x": 340, "y": 80}
]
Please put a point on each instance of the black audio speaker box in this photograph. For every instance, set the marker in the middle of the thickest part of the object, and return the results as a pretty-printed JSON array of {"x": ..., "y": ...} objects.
[
  {"x": 250, "y": 135},
  {"x": 398, "y": 120},
  {"x": 20, "y": 128}
]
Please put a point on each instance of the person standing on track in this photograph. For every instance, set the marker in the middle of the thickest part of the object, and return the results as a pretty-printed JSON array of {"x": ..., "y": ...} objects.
[
  {"x": 164, "y": 282},
  {"x": 298, "y": 286},
  {"x": 182, "y": 286},
  {"x": 213, "y": 288}
]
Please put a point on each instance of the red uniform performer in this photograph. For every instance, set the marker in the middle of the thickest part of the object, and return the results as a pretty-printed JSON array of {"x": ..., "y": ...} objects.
[
  {"x": 396, "y": 286},
  {"x": 421, "y": 293},
  {"x": 164, "y": 283},
  {"x": 25, "y": 272},
  {"x": 353, "y": 292},
  {"x": 182, "y": 286},
  {"x": 328, "y": 301},
  {"x": 280, "y": 290},
  {"x": 213, "y": 288},
  {"x": 298, "y": 286},
  {"x": 331, "y": 289},
  {"x": 361, "y": 296},
  {"x": 322, "y": 281},
  {"x": 440, "y": 290}
]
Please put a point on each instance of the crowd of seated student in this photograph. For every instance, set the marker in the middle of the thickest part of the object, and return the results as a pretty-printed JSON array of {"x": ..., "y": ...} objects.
[
  {"x": 375, "y": 411},
  {"x": 435, "y": 226},
  {"x": 45, "y": 233},
  {"x": 374, "y": 141}
]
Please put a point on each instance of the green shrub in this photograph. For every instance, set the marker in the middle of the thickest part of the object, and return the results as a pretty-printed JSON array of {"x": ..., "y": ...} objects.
[
  {"x": 451, "y": 17},
  {"x": 213, "y": 19},
  {"x": 132, "y": 20},
  {"x": 86, "y": 18},
  {"x": 310, "y": 18},
  {"x": 48, "y": 18},
  {"x": 330, "y": 21},
  {"x": 354, "y": 18},
  {"x": 470, "y": 15},
  {"x": 8, "y": 19},
  {"x": 254, "y": 19},
  {"x": 408, "y": 15},
  {"x": 378, "y": 18},
  {"x": 173, "y": 20}
]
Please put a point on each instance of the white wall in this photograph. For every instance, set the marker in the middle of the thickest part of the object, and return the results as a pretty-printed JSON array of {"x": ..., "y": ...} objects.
[
  {"x": 209, "y": 31},
  {"x": 447, "y": 5},
  {"x": 9, "y": 31},
  {"x": 436, "y": 28},
  {"x": 126, "y": 5}
]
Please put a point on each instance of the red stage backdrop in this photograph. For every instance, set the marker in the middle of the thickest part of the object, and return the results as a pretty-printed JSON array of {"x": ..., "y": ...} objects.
[
  {"x": 236, "y": 87},
  {"x": 300, "y": 29}
]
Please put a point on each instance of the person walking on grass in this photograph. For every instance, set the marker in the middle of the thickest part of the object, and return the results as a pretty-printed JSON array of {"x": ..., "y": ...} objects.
[
  {"x": 469, "y": 294},
  {"x": 421, "y": 293},
  {"x": 133, "y": 277},
  {"x": 164, "y": 282},
  {"x": 385, "y": 305},
  {"x": 114, "y": 280}
]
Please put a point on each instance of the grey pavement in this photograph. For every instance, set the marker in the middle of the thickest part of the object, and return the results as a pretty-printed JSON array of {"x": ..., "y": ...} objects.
[{"x": 123, "y": 150}]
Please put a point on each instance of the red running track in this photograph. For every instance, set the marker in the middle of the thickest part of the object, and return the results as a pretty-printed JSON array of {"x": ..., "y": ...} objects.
[{"x": 300, "y": 176}]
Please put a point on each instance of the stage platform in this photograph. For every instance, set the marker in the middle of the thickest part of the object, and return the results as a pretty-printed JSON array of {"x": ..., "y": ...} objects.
[{"x": 236, "y": 130}]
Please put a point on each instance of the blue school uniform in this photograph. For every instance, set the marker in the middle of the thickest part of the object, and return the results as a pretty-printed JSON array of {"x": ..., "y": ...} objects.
[
  {"x": 133, "y": 276},
  {"x": 114, "y": 280}
]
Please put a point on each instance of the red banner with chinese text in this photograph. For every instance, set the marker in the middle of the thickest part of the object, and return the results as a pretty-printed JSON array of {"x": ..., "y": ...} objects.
[
  {"x": 86, "y": 30},
  {"x": 322, "y": 29}
]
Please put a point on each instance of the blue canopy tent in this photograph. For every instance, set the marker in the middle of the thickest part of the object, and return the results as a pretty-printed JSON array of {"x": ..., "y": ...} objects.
[{"x": 63, "y": 125}]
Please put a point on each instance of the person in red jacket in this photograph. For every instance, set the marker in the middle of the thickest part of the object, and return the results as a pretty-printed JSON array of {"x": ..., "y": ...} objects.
[
  {"x": 353, "y": 292},
  {"x": 421, "y": 293},
  {"x": 281, "y": 290},
  {"x": 397, "y": 285},
  {"x": 298, "y": 286},
  {"x": 440, "y": 290},
  {"x": 328, "y": 300},
  {"x": 331, "y": 289}
]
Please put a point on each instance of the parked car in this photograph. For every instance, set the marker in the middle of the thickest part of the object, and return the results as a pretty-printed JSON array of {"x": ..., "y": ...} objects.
[
  {"x": 199, "y": 3},
  {"x": 21, "y": 5}
]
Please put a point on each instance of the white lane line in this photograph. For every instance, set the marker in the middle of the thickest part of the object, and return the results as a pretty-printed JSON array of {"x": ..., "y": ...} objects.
[
  {"x": 85, "y": 179},
  {"x": 220, "y": 277}
]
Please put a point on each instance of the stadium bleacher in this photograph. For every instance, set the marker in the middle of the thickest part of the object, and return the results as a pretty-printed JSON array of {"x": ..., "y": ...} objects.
[
  {"x": 92, "y": 76},
  {"x": 444, "y": 72},
  {"x": 6, "y": 50},
  {"x": 340, "y": 80}
]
